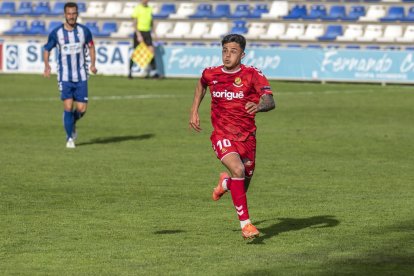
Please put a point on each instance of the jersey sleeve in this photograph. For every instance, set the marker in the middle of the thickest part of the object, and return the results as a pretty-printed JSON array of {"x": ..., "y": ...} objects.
[
  {"x": 260, "y": 83},
  {"x": 135, "y": 12},
  {"x": 51, "y": 42},
  {"x": 88, "y": 37},
  {"x": 204, "y": 78}
]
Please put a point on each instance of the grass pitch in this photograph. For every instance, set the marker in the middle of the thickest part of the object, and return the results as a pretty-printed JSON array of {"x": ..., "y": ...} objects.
[{"x": 333, "y": 191}]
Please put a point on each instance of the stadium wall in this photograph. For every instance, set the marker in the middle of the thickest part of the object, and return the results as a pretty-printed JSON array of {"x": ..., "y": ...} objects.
[{"x": 345, "y": 65}]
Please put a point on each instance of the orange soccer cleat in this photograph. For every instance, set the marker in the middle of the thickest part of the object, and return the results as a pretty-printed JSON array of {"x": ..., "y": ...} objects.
[
  {"x": 249, "y": 231},
  {"x": 219, "y": 191}
]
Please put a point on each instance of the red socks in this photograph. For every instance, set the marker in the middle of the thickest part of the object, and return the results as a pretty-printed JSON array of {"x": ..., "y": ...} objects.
[{"x": 238, "y": 194}]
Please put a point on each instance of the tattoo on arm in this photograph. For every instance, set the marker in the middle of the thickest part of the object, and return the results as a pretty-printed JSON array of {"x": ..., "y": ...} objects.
[{"x": 266, "y": 103}]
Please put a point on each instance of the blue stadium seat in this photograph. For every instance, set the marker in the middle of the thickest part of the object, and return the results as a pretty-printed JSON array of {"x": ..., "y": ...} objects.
[
  {"x": 198, "y": 44},
  {"x": 316, "y": 12},
  {"x": 7, "y": 8},
  {"x": 353, "y": 47},
  {"x": 221, "y": 11},
  {"x": 297, "y": 12},
  {"x": 355, "y": 13},
  {"x": 42, "y": 8},
  {"x": 203, "y": 11},
  {"x": 37, "y": 27},
  {"x": 107, "y": 29},
  {"x": 294, "y": 46},
  {"x": 241, "y": 11},
  {"x": 410, "y": 15},
  {"x": 19, "y": 27},
  {"x": 165, "y": 11},
  {"x": 335, "y": 13},
  {"x": 258, "y": 10},
  {"x": 239, "y": 27},
  {"x": 372, "y": 47},
  {"x": 394, "y": 14},
  {"x": 81, "y": 7},
  {"x": 53, "y": 25},
  {"x": 93, "y": 27},
  {"x": 331, "y": 33},
  {"x": 313, "y": 46},
  {"x": 57, "y": 9},
  {"x": 25, "y": 8}
]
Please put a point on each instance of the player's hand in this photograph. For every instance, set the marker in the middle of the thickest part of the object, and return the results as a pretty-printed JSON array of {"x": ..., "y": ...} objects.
[
  {"x": 251, "y": 107},
  {"x": 195, "y": 122},
  {"x": 93, "y": 69},
  {"x": 139, "y": 37},
  {"x": 46, "y": 72}
]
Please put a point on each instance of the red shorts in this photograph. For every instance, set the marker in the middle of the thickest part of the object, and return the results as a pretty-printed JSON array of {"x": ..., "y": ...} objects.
[{"x": 245, "y": 149}]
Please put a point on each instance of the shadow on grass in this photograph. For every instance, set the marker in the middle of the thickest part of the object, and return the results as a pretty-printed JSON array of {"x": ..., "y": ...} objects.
[
  {"x": 117, "y": 139},
  {"x": 168, "y": 232},
  {"x": 293, "y": 224}
]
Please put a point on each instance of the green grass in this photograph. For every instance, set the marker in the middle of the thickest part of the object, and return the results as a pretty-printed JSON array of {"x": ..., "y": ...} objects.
[{"x": 333, "y": 191}]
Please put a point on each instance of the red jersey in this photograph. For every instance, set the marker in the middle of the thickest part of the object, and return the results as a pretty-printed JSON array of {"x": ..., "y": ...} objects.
[{"x": 229, "y": 94}]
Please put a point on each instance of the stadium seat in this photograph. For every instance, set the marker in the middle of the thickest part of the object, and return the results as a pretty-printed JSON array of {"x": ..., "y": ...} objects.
[
  {"x": 218, "y": 29},
  {"x": 221, "y": 11},
  {"x": 313, "y": 31},
  {"x": 372, "y": 32},
  {"x": 241, "y": 11},
  {"x": 258, "y": 10},
  {"x": 374, "y": 13},
  {"x": 184, "y": 11},
  {"x": 126, "y": 29},
  {"x": 37, "y": 27},
  {"x": 202, "y": 11},
  {"x": 294, "y": 30},
  {"x": 335, "y": 13},
  {"x": 162, "y": 28},
  {"x": 180, "y": 28},
  {"x": 53, "y": 25},
  {"x": 353, "y": 47},
  {"x": 19, "y": 27},
  {"x": 355, "y": 13},
  {"x": 112, "y": 9},
  {"x": 127, "y": 10},
  {"x": 332, "y": 31},
  {"x": 42, "y": 8},
  {"x": 351, "y": 33},
  {"x": 81, "y": 7},
  {"x": 316, "y": 12},
  {"x": 7, "y": 8},
  {"x": 273, "y": 31},
  {"x": 297, "y": 12},
  {"x": 239, "y": 27},
  {"x": 5, "y": 24},
  {"x": 107, "y": 29},
  {"x": 25, "y": 8},
  {"x": 390, "y": 34},
  {"x": 93, "y": 27},
  {"x": 198, "y": 30},
  {"x": 277, "y": 9},
  {"x": 408, "y": 36},
  {"x": 394, "y": 14},
  {"x": 165, "y": 11},
  {"x": 57, "y": 9},
  {"x": 256, "y": 29},
  {"x": 94, "y": 9},
  {"x": 410, "y": 15}
]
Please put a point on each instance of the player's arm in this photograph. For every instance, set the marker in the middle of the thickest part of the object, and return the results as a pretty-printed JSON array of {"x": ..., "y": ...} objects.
[
  {"x": 92, "y": 54},
  {"x": 200, "y": 92},
  {"x": 266, "y": 103},
  {"x": 46, "y": 55}
]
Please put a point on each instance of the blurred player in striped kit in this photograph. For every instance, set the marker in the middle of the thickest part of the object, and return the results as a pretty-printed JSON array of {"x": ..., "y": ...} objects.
[{"x": 74, "y": 43}]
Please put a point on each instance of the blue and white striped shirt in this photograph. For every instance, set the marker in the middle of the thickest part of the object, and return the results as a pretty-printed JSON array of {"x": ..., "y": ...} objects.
[{"x": 72, "y": 52}]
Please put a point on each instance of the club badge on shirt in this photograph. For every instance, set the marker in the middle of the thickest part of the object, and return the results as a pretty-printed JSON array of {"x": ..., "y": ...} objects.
[{"x": 238, "y": 82}]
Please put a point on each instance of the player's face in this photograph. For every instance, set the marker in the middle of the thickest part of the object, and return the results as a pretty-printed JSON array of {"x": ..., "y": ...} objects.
[
  {"x": 232, "y": 55},
  {"x": 71, "y": 15}
]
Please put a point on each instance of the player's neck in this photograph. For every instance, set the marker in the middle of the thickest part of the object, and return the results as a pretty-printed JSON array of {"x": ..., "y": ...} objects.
[
  {"x": 69, "y": 27},
  {"x": 232, "y": 70}
]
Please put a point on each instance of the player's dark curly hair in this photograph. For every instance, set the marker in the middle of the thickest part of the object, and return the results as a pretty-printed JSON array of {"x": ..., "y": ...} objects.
[
  {"x": 70, "y": 5},
  {"x": 239, "y": 39}
]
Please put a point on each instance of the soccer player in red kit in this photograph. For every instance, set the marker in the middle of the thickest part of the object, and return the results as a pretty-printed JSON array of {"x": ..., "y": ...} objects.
[{"x": 238, "y": 92}]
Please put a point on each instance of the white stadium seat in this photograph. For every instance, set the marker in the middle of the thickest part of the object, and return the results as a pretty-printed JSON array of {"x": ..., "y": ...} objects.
[
  {"x": 94, "y": 9},
  {"x": 273, "y": 31},
  {"x": 179, "y": 30},
  {"x": 218, "y": 29},
  {"x": 125, "y": 29},
  {"x": 293, "y": 31},
  {"x": 313, "y": 31},
  {"x": 391, "y": 33},
  {"x": 5, "y": 25},
  {"x": 372, "y": 32},
  {"x": 278, "y": 9},
  {"x": 163, "y": 28},
  {"x": 351, "y": 33},
  {"x": 183, "y": 11},
  {"x": 255, "y": 29},
  {"x": 112, "y": 9},
  {"x": 374, "y": 13},
  {"x": 127, "y": 10},
  {"x": 408, "y": 35},
  {"x": 198, "y": 30}
]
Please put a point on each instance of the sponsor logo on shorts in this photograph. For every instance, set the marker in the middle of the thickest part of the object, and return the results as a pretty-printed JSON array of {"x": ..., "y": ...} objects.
[{"x": 228, "y": 95}]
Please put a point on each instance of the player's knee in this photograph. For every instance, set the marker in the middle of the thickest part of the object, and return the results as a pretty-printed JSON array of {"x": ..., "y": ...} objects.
[{"x": 238, "y": 171}]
